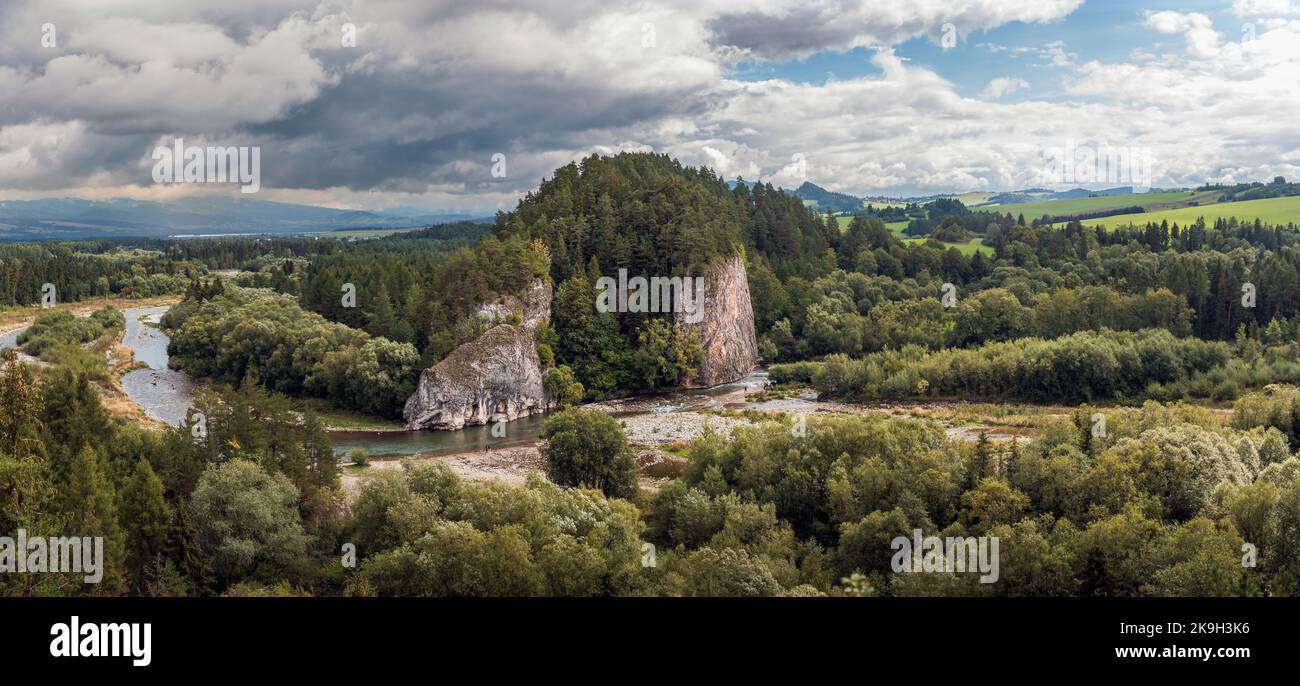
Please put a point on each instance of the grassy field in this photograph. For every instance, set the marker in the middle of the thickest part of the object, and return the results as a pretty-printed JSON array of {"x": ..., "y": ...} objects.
[
  {"x": 361, "y": 233},
  {"x": 966, "y": 249},
  {"x": 15, "y": 316},
  {"x": 1034, "y": 210},
  {"x": 973, "y": 198},
  {"x": 343, "y": 420},
  {"x": 1270, "y": 211},
  {"x": 896, "y": 228}
]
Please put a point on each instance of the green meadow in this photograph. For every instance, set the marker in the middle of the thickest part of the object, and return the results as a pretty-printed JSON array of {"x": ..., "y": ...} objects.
[
  {"x": 1270, "y": 211},
  {"x": 1035, "y": 210},
  {"x": 968, "y": 248}
]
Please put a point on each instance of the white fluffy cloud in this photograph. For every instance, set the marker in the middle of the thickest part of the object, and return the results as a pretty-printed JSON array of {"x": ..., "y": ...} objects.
[
  {"x": 1004, "y": 85},
  {"x": 1271, "y": 8},
  {"x": 1202, "y": 39},
  {"x": 413, "y": 114}
]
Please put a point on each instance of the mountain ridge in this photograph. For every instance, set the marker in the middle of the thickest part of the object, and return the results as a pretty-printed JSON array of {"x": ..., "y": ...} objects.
[{"x": 76, "y": 218}]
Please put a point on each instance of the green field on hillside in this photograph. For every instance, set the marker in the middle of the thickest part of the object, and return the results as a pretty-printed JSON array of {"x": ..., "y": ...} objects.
[
  {"x": 362, "y": 233},
  {"x": 967, "y": 249},
  {"x": 973, "y": 198},
  {"x": 1269, "y": 211},
  {"x": 1035, "y": 210},
  {"x": 896, "y": 228}
]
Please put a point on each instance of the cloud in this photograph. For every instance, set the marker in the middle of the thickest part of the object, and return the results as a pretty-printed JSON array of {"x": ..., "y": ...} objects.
[
  {"x": 1271, "y": 8},
  {"x": 1202, "y": 39},
  {"x": 1004, "y": 85},
  {"x": 414, "y": 113},
  {"x": 1055, "y": 55},
  {"x": 782, "y": 29}
]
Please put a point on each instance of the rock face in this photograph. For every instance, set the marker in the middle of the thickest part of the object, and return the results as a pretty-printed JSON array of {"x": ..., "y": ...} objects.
[
  {"x": 533, "y": 307},
  {"x": 494, "y": 377},
  {"x": 727, "y": 327}
]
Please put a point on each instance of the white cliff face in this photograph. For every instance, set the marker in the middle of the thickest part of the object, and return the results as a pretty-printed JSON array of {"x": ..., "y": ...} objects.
[
  {"x": 533, "y": 307},
  {"x": 726, "y": 328},
  {"x": 495, "y": 377}
]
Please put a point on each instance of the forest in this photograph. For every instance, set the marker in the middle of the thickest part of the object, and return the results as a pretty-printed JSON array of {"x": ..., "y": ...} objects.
[{"x": 1162, "y": 505}]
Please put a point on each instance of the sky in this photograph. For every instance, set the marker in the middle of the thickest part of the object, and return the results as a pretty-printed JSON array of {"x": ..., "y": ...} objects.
[{"x": 460, "y": 106}]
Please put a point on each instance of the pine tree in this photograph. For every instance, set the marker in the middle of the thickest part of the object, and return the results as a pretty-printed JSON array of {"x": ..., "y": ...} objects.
[
  {"x": 72, "y": 417},
  {"x": 93, "y": 512},
  {"x": 19, "y": 405},
  {"x": 322, "y": 478},
  {"x": 382, "y": 318},
  {"x": 145, "y": 512},
  {"x": 983, "y": 453},
  {"x": 186, "y": 554}
]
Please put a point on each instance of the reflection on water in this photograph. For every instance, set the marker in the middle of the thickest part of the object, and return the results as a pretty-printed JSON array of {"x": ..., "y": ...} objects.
[
  {"x": 9, "y": 339},
  {"x": 148, "y": 343},
  {"x": 164, "y": 394},
  {"x": 470, "y": 439}
]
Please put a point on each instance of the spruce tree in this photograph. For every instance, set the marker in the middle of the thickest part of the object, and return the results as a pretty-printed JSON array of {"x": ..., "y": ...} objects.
[
  {"x": 145, "y": 512},
  {"x": 91, "y": 511}
]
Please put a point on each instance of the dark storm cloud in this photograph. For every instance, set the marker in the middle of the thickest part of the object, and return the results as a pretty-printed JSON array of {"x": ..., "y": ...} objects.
[{"x": 429, "y": 94}]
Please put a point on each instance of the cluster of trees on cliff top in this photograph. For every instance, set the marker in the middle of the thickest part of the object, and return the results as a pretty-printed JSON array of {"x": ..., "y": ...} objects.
[{"x": 644, "y": 213}]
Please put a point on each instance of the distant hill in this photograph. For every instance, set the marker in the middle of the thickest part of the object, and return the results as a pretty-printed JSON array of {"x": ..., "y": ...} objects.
[
  {"x": 1041, "y": 194},
  {"x": 827, "y": 201},
  {"x": 1077, "y": 193},
  {"x": 72, "y": 218},
  {"x": 1012, "y": 198}
]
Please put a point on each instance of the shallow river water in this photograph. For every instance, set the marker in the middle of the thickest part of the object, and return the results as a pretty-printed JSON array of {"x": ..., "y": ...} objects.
[{"x": 166, "y": 394}]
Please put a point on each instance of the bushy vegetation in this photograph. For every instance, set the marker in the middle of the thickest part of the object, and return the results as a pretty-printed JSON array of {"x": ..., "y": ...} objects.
[
  {"x": 266, "y": 337},
  {"x": 587, "y": 448},
  {"x": 1161, "y": 504},
  {"x": 58, "y": 329},
  {"x": 1082, "y": 367}
]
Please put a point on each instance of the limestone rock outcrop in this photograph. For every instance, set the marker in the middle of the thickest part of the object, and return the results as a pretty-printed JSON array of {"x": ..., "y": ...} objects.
[
  {"x": 726, "y": 327},
  {"x": 495, "y": 377}
]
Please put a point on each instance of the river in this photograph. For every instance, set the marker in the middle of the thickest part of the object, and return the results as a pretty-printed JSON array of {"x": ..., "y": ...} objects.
[{"x": 166, "y": 394}]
